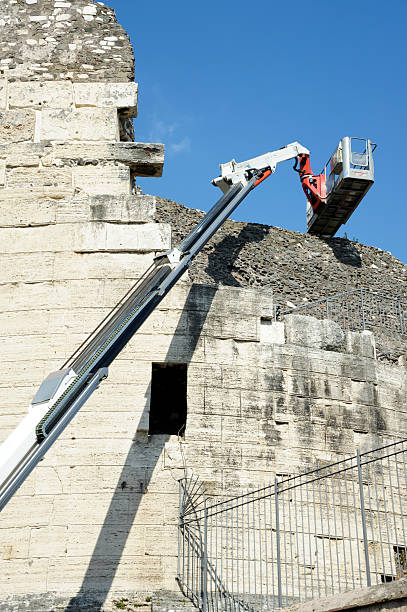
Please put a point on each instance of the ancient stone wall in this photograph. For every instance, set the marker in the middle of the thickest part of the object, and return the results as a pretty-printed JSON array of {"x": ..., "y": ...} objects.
[
  {"x": 298, "y": 267},
  {"x": 78, "y": 40},
  {"x": 97, "y": 519}
]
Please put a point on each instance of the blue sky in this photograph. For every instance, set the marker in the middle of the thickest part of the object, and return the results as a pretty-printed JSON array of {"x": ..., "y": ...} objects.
[{"x": 237, "y": 79}]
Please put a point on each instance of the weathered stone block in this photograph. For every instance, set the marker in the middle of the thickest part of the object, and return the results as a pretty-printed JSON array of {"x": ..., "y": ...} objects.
[
  {"x": 16, "y": 161},
  {"x": 272, "y": 331},
  {"x": 118, "y": 209},
  {"x": 145, "y": 159},
  {"x": 237, "y": 327},
  {"x": 377, "y": 598},
  {"x": 81, "y": 124},
  {"x": 66, "y": 574},
  {"x": 126, "y": 209},
  {"x": 114, "y": 425},
  {"x": 106, "y": 265},
  {"x": 24, "y": 576},
  {"x": 23, "y": 213},
  {"x": 14, "y": 543},
  {"x": 116, "y": 95},
  {"x": 19, "y": 513},
  {"x": 39, "y": 95},
  {"x": 26, "y": 240},
  {"x": 39, "y": 178},
  {"x": 16, "y": 194},
  {"x": 93, "y": 237},
  {"x": 243, "y": 301},
  {"x": 102, "y": 180},
  {"x": 23, "y": 153},
  {"x": 89, "y": 509},
  {"x": 361, "y": 344},
  {"x": 50, "y": 541},
  {"x": 82, "y": 540},
  {"x": 17, "y": 126},
  {"x": 308, "y": 331}
]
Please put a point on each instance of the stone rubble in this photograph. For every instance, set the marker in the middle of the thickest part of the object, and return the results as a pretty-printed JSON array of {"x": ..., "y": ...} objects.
[{"x": 298, "y": 267}]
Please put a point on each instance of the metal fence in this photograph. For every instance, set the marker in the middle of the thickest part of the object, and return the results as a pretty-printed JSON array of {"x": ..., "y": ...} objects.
[
  {"x": 358, "y": 309},
  {"x": 333, "y": 529}
]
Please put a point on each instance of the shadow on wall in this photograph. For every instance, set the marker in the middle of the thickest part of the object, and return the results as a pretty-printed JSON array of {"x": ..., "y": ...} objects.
[
  {"x": 137, "y": 471},
  {"x": 344, "y": 251},
  {"x": 221, "y": 261}
]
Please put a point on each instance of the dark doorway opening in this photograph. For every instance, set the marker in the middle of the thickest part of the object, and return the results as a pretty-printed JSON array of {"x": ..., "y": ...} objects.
[{"x": 168, "y": 404}]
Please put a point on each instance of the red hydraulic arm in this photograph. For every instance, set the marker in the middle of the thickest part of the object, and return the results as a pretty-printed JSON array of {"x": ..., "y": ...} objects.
[{"x": 313, "y": 184}]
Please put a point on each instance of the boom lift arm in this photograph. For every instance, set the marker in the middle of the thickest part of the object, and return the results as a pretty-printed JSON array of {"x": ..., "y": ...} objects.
[{"x": 63, "y": 392}]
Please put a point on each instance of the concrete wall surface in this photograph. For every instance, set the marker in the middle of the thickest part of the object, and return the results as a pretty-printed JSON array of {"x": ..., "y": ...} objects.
[{"x": 389, "y": 596}]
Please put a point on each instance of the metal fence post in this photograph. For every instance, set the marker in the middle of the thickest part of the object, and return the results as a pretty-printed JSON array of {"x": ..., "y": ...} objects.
[
  {"x": 179, "y": 530},
  {"x": 327, "y": 309},
  {"x": 204, "y": 562},
  {"x": 280, "y": 597},
  {"x": 363, "y": 512}
]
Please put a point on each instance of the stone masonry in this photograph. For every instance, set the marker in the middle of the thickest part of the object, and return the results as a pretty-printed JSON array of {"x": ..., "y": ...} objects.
[
  {"x": 298, "y": 267},
  {"x": 53, "y": 40},
  {"x": 94, "y": 527}
]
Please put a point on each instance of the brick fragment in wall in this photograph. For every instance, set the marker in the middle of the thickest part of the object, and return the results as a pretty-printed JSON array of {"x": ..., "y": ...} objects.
[
  {"x": 17, "y": 126},
  {"x": 83, "y": 39}
]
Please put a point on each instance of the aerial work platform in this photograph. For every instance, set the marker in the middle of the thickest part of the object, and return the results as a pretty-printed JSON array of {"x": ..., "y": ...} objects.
[
  {"x": 332, "y": 195},
  {"x": 336, "y": 192}
]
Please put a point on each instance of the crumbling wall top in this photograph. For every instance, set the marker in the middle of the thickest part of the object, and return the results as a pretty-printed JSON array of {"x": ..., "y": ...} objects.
[{"x": 79, "y": 40}]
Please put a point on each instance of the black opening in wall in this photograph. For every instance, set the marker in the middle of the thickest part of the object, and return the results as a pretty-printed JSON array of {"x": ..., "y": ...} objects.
[{"x": 168, "y": 404}]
